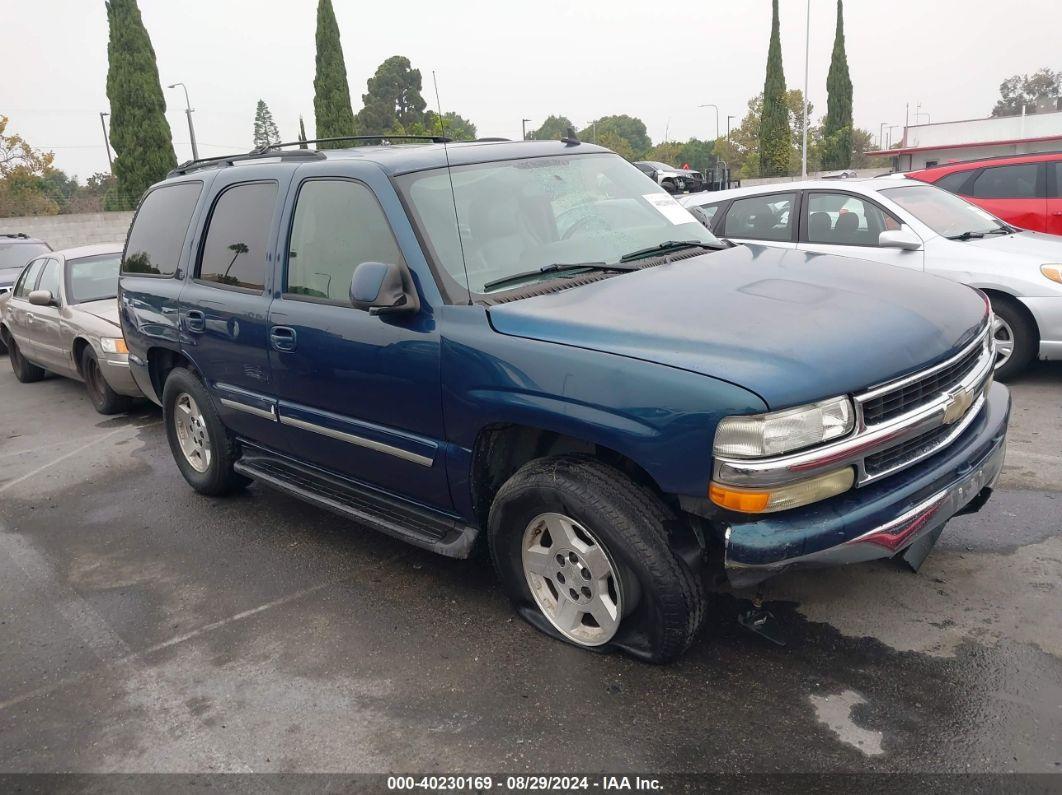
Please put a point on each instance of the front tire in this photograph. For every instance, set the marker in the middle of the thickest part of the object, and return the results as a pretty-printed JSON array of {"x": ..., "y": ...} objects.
[
  {"x": 104, "y": 399},
  {"x": 583, "y": 552},
  {"x": 25, "y": 371},
  {"x": 1015, "y": 336},
  {"x": 201, "y": 445}
]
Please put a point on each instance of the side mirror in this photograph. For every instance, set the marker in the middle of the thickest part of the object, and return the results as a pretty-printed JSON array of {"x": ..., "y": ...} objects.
[
  {"x": 383, "y": 288},
  {"x": 41, "y": 298},
  {"x": 900, "y": 238}
]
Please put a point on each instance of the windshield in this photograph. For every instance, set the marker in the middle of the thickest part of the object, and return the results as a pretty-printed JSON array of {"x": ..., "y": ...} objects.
[
  {"x": 943, "y": 212},
  {"x": 92, "y": 278},
  {"x": 18, "y": 254},
  {"x": 520, "y": 216}
]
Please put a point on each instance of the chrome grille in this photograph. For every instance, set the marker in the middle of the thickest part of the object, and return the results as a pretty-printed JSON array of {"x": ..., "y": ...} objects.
[
  {"x": 905, "y": 452},
  {"x": 917, "y": 393}
]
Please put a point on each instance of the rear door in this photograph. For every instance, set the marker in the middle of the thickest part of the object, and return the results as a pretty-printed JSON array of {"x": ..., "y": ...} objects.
[
  {"x": 1015, "y": 193},
  {"x": 225, "y": 303},
  {"x": 769, "y": 219},
  {"x": 1053, "y": 222},
  {"x": 849, "y": 225}
]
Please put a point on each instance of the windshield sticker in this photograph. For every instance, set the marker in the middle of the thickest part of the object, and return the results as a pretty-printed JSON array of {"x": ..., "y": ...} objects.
[{"x": 669, "y": 208}]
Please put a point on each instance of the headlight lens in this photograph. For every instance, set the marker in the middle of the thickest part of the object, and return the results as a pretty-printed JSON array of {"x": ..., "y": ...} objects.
[
  {"x": 1052, "y": 271},
  {"x": 778, "y": 432},
  {"x": 113, "y": 345}
]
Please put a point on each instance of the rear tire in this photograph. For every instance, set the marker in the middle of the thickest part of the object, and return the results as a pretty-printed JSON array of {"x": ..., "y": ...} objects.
[
  {"x": 1016, "y": 333},
  {"x": 568, "y": 520},
  {"x": 201, "y": 445},
  {"x": 25, "y": 371},
  {"x": 104, "y": 399}
]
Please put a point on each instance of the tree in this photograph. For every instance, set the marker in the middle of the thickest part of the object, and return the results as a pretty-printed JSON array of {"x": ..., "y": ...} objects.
[
  {"x": 302, "y": 135},
  {"x": 265, "y": 129},
  {"x": 452, "y": 125},
  {"x": 1040, "y": 92},
  {"x": 837, "y": 129},
  {"x": 863, "y": 142},
  {"x": 610, "y": 139},
  {"x": 629, "y": 128},
  {"x": 140, "y": 134},
  {"x": 331, "y": 94},
  {"x": 775, "y": 130},
  {"x": 553, "y": 129},
  {"x": 393, "y": 98}
]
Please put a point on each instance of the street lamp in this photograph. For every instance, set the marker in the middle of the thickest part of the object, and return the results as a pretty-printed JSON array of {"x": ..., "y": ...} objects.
[
  {"x": 188, "y": 111},
  {"x": 716, "y": 107},
  {"x": 106, "y": 143},
  {"x": 523, "y": 127},
  {"x": 804, "y": 136},
  {"x": 728, "y": 118}
]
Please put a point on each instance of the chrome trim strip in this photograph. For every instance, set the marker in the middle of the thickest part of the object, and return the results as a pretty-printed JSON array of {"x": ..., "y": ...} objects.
[
  {"x": 360, "y": 441},
  {"x": 232, "y": 404}
]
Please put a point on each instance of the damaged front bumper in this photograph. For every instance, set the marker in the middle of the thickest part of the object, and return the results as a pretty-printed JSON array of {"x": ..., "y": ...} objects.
[{"x": 901, "y": 515}]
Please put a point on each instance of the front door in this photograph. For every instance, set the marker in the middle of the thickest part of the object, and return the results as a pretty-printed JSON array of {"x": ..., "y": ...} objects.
[
  {"x": 49, "y": 351},
  {"x": 1053, "y": 223},
  {"x": 769, "y": 219},
  {"x": 1014, "y": 193},
  {"x": 225, "y": 304},
  {"x": 849, "y": 226},
  {"x": 362, "y": 391}
]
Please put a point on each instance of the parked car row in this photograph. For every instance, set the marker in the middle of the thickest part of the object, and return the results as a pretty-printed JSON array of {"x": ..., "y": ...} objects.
[
  {"x": 532, "y": 346},
  {"x": 16, "y": 249},
  {"x": 671, "y": 179}
]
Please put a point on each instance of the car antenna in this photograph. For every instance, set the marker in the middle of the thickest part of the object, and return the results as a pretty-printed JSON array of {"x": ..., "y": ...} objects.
[
  {"x": 453, "y": 196},
  {"x": 570, "y": 138}
]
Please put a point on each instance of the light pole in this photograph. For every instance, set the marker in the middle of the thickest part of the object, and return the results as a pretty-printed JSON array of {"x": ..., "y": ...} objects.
[
  {"x": 716, "y": 108},
  {"x": 804, "y": 136},
  {"x": 728, "y": 118},
  {"x": 106, "y": 143},
  {"x": 188, "y": 111},
  {"x": 523, "y": 127}
]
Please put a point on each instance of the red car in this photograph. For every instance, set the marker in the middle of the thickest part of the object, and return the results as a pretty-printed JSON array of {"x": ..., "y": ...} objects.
[{"x": 1023, "y": 190}]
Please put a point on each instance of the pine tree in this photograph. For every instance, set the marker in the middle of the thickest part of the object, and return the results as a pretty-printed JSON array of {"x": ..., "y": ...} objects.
[
  {"x": 837, "y": 130},
  {"x": 775, "y": 140},
  {"x": 140, "y": 134},
  {"x": 265, "y": 129},
  {"x": 302, "y": 135},
  {"x": 331, "y": 98}
]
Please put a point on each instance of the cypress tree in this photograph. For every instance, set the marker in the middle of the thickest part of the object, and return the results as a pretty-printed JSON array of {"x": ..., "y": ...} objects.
[
  {"x": 140, "y": 133},
  {"x": 837, "y": 131},
  {"x": 331, "y": 97},
  {"x": 265, "y": 129},
  {"x": 775, "y": 134}
]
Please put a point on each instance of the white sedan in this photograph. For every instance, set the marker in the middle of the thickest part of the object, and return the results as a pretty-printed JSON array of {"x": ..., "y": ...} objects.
[{"x": 904, "y": 222}]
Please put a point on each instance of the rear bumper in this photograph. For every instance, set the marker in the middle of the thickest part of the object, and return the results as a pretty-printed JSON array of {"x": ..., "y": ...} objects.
[{"x": 880, "y": 520}]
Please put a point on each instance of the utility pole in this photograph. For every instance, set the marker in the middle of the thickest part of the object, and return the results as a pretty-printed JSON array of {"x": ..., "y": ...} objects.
[
  {"x": 106, "y": 143},
  {"x": 728, "y": 118},
  {"x": 716, "y": 108},
  {"x": 188, "y": 112},
  {"x": 523, "y": 127},
  {"x": 807, "y": 55}
]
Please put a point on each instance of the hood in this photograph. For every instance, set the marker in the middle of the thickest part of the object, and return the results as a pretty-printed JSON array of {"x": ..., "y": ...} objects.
[
  {"x": 1034, "y": 245},
  {"x": 791, "y": 326},
  {"x": 107, "y": 309},
  {"x": 8, "y": 276}
]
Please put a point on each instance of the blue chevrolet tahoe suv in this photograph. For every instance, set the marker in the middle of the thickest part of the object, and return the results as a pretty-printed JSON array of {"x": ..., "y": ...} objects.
[{"x": 531, "y": 346}]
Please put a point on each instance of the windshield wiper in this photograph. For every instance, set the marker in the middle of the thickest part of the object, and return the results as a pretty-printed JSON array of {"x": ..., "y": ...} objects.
[
  {"x": 556, "y": 267},
  {"x": 967, "y": 236},
  {"x": 666, "y": 246}
]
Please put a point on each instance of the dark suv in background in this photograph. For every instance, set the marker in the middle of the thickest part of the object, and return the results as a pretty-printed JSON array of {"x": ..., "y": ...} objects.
[
  {"x": 528, "y": 345},
  {"x": 16, "y": 250}
]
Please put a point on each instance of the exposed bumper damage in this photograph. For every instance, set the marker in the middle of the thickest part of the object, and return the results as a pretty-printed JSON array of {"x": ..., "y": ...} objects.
[{"x": 902, "y": 515}]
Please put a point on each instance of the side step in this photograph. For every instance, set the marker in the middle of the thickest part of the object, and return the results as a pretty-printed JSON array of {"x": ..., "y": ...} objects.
[{"x": 413, "y": 524}]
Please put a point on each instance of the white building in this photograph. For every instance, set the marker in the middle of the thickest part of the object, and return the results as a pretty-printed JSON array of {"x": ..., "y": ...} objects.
[{"x": 927, "y": 145}]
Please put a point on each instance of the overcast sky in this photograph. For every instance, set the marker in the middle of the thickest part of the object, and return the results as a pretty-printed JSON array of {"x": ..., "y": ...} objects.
[{"x": 500, "y": 61}]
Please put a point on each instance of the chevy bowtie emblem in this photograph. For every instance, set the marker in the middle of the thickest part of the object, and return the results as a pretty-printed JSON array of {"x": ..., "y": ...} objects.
[{"x": 958, "y": 404}]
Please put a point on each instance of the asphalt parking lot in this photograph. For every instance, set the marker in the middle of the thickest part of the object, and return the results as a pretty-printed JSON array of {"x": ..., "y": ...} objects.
[{"x": 146, "y": 628}]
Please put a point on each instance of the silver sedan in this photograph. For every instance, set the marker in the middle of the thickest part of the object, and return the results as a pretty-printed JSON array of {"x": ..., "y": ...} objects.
[{"x": 62, "y": 317}]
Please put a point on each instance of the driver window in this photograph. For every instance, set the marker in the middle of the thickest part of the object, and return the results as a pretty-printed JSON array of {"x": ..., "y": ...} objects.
[
  {"x": 843, "y": 220},
  {"x": 50, "y": 279},
  {"x": 761, "y": 218}
]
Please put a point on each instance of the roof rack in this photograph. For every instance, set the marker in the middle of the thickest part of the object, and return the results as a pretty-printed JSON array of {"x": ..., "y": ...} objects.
[
  {"x": 229, "y": 160},
  {"x": 384, "y": 137}
]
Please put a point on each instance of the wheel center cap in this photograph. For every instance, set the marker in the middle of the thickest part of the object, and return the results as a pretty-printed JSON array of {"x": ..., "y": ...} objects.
[{"x": 572, "y": 577}]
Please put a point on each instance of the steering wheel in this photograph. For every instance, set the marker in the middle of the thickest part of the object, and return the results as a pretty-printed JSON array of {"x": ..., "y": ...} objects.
[{"x": 588, "y": 223}]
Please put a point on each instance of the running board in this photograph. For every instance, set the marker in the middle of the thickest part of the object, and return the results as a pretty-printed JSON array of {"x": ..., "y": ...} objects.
[{"x": 413, "y": 524}]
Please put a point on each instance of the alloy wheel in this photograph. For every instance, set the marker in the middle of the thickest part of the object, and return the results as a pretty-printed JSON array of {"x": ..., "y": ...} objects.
[
  {"x": 1003, "y": 335},
  {"x": 572, "y": 578},
  {"x": 192, "y": 435}
]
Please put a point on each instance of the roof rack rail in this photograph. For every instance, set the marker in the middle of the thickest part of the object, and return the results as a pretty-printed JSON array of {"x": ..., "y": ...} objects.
[
  {"x": 19, "y": 235},
  {"x": 435, "y": 139},
  {"x": 229, "y": 160}
]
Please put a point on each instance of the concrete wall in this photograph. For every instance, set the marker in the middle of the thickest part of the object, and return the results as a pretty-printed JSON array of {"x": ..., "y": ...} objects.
[{"x": 67, "y": 231}]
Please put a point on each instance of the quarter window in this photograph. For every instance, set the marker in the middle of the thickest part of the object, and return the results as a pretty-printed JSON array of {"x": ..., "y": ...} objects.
[
  {"x": 234, "y": 251},
  {"x": 50, "y": 278},
  {"x": 338, "y": 224},
  {"x": 29, "y": 278},
  {"x": 954, "y": 182},
  {"x": 705, "y": 213},
  {"x": 159, "y": 229},
  {"x": 761, "y": 218},
  {"x": 1007, "y": 182},
  {"x": 841, "y": 219}
]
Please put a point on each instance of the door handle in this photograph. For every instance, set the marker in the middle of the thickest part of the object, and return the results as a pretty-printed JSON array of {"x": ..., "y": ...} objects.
[
  {"x": 283, "y": 338},
  {"x": 195, "y": 321},
  {"x": 1057, "y": 212}
]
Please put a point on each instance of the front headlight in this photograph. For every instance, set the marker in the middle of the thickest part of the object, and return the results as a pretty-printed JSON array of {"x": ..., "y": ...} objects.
[
  {"x": 778, "y": 432},
  {"x": 1052, "y": 271},
  {"x": 113, "y": 345}
]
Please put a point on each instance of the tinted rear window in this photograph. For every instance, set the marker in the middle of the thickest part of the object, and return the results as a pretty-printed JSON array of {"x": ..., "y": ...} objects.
[
  {"x": 954, "y": 182},
  {"x": 1007, "y": 182},
  {"x": 16, "y": 255},
  {"x": 234, "y": 252},
  {"x": 159, "y": 229}
]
